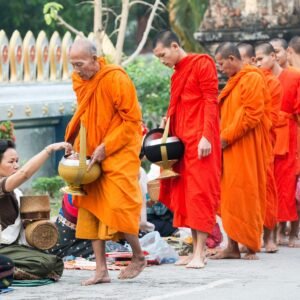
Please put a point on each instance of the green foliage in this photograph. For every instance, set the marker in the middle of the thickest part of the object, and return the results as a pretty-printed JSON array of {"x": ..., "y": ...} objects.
[
  {"x": 185, "y": 19},
  {"x": 49, "y": 185},
  {"x": 7, "y": 130},
  {"x": 152, "y": 81},
  {"x": 50, "y": 11}
]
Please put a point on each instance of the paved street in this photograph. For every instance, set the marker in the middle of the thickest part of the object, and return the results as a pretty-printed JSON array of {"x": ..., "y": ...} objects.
[{"x": 273, "y": 277}]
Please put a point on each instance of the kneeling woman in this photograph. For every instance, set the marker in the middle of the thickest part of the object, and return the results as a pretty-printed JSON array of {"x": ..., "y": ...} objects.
[{"x": 29, "y": 262}]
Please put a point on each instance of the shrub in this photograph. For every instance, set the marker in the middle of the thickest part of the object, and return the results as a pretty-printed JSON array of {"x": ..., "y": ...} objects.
[
  {"x": 152, "y": 81},
  {"x": 48, "y": 185}
]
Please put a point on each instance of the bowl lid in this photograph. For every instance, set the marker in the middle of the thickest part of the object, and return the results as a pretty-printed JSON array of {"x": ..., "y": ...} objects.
[{"x": 170, "y": 139}]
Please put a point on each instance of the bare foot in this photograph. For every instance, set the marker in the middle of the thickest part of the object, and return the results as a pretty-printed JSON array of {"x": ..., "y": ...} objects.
[
  {"x": 183, "y": 260},
  {"x": 136, "y": 266},
  {"x": 101, "y": 277},
  {"x": 226, "y": 253},
  {"x": 281, "y": 238},
  {"x": 250, "y": 255},
  {"x": 292, "y": 242},
  {"x": 271, "y": 247},
  {"x": 197, "y": 263},
  {"x": 243, "y": 249}
]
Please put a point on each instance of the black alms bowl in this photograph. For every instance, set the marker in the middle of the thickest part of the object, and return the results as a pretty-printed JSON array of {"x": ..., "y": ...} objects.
[{"x": 152, "y": 146}]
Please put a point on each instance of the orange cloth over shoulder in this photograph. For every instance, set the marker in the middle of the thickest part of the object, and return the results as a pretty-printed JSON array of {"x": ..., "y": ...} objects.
[
  {"x": 245, "y": 127},
  {"x": 275, "y": 89},
  {"x": 109, "y": 110}
]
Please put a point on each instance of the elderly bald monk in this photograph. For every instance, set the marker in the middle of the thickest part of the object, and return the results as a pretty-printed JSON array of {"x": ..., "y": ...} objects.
[
  {"x": 246, "y": 153},
  {"x": 108, "y": 108}
]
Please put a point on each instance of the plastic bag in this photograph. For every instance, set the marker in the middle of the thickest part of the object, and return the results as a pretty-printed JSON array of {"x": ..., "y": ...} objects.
[{"x": 158, "y": 248}]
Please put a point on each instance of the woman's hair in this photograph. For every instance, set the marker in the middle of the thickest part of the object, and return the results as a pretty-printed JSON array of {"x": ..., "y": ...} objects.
[{"x": 4, "y": 145}]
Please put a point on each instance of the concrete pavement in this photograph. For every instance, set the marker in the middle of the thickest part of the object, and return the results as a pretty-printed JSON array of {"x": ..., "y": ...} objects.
[{"x": 273, "y": 277}]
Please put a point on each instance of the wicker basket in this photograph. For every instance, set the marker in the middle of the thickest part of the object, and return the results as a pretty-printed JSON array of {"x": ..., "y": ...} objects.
[
  {"x": 153, "y": 189},
  {"x": 35, "y": 207},
  {"x": 42, "y": 235}
]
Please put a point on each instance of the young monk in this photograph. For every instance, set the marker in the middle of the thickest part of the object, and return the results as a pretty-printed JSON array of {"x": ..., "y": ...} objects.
[
  {"x": 286, "y": 150},
  {"x": 266, "y": 61},
  {"x": 108, "y": 108},
  {"x": 293, "y": 57},
  {"x": 246, "y": 153},
  {"x": 194, "y": 118}
]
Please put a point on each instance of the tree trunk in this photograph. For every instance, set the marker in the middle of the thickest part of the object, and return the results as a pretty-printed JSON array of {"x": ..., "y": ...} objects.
[
  {"x": 122, "y": 31},
  {"x": 98, "y": 28}
]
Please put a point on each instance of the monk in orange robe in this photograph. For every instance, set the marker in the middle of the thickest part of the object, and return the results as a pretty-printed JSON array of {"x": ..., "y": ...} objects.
[
  {"x": 194, "y": 118},
  {"x": 246, "y": 153},
  {"x": 272, "y": 107},
  {"x": 286, "y": 150},
  {"x": 108, "y": 108},
  {"x": 266, "y": 60}
]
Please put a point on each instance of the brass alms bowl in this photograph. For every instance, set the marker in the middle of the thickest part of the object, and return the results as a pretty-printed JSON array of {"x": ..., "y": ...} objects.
[
  {"x": 75, "y": 174},
  {"x": 73, "y": 169}
]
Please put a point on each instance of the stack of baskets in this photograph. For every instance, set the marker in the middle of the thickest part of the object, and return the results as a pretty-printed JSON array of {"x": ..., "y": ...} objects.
[{"x": 40, "y": 232}]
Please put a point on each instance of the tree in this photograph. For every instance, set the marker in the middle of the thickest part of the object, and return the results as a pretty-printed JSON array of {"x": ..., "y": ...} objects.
[
  {"x": 185, "y": 19},
  {"x": 52, "y": 13}
]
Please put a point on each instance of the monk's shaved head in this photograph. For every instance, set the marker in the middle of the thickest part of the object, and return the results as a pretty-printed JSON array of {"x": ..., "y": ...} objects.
[
  {"x": 248, "y": 48},
  {"x": 265, "y": 47},
  {"x": 84, "y": 45},
  {"x": 282, "y": 42},
  {"x": 294, "y": 43},
  {"x": 228, "y": 49},
  {"x": 166, "y": 38}
]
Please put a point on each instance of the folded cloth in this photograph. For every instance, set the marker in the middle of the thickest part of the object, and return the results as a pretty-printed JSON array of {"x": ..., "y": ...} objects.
[{"x": 28, "y": 283}]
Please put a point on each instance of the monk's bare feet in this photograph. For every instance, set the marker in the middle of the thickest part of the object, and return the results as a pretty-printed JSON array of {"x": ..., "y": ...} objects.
[
  {"x": 226, "y": 253},
  {"x": 293, "y": 242},
  {"x": 250, "y": 255},
  {"x": 183, "y": 260},
  {"x": 270, "y": 247},
  {"x": 99, "y": 277},
  {"x": 243, "y": 249},
  {"x": 197, "y": 263},
  {"x": 136, "y": 266}
]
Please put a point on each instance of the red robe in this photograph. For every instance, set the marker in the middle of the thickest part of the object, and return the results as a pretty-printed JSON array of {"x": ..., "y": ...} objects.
[
  {"x": 194, "y": 196},
  {"x": 286, "y": 146}
]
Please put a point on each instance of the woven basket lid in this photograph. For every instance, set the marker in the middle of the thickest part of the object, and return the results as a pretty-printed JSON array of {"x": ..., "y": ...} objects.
[
  {"x": 36, "y": 203},
  {"x": 42, "y": 235}
]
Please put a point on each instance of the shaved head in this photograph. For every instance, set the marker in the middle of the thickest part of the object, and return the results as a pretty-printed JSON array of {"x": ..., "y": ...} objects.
[
  {"x": 166, "y": 38},
  {"x": 282, "y": 42},
  {"x": 248, "y": 49},
  {"x": 85, "y": 46},
  {"x": 265, "y": 47},
  {"x": 228, "y": 49},
  {"x": 295, "y": 44}
]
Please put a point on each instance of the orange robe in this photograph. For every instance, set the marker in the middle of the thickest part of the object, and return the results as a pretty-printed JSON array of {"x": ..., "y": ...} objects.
[
  {"x": 275, "y": 89},
  {"x": 109, "y": 109},
  {"x": 286, "y": 145},
  {"x": 245, "y": 127},
  {"x": 194, "y": 112}
]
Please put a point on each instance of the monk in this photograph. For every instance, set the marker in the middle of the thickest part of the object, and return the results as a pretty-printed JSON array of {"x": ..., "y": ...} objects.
[
  {"x": 285, "y": 157},
  {"x": 108, "y": 108},
  {"x": 280, "y": 46},
  {"x": 293, "y": 57},
  {"x": 194, "y": 118},
  {"x": 266, "y": 60},
  {"x": 246, "y": 153}
]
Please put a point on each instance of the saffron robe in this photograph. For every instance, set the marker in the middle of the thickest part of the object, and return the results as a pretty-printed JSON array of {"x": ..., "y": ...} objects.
[
  {"x": 193, "y": 110},
  {"x": 286, "y": 150},
  {"x": 245, "y": 127},
  {"x": 109, "y": 110},
  {"x": 275, "y": 89}
]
